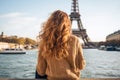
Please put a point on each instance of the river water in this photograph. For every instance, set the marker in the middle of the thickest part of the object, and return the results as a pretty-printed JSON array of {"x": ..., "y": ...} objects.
[{"x": 100, "y": 64}]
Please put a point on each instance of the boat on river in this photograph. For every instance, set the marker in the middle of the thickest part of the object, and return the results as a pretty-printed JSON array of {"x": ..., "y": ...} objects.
[
  {"x": 110, "y": 48},
  {"x": 12, "y": 51},
  {"x": 117, "y": 48}
]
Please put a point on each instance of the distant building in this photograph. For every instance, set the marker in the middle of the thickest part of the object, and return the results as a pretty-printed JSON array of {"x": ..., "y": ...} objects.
[
  {"x": 9, "y": 45},
  {"x": 2, "y": 35},
  {"x": 113, "y": 36},
  {"x": 4, "y": 45}
]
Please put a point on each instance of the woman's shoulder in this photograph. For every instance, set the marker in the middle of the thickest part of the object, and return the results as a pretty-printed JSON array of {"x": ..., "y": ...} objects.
[{"x": 74, "y": 37}]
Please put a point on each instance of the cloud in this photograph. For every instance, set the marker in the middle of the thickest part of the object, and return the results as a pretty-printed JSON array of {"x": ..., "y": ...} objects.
[
  {"x": 22, "y": 20},
  {"x": 19, "y": 24},
  {"x": 11, "y": 15},
  {"x": 17, "y": 18}
]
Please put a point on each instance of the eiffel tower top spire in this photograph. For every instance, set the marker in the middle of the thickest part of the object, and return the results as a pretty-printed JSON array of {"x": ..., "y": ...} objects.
[
  {"x": 75, "y": 6},
  {"x": 75, "y": 15}
]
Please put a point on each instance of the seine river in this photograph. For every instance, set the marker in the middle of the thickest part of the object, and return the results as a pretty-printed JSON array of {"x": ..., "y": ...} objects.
[{"x": 100, "y": 64}]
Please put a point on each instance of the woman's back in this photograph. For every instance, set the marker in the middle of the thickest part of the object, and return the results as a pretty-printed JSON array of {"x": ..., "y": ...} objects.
[{"x": 67, "y": 68}]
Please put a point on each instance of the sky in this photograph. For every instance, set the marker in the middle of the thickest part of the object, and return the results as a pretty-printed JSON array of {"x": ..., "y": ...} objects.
[{"x": 24, "y": 17}]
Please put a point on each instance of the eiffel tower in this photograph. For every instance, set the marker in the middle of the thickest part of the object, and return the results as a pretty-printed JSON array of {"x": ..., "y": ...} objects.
[{"x": 75, "y": 15}]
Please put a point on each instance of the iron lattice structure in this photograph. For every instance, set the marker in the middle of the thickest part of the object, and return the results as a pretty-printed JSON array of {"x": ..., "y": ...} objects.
[{"x": 75, "y": 15}]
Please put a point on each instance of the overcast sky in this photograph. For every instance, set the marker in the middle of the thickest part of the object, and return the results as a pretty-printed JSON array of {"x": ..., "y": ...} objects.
[{"x": 24, "y": 17}]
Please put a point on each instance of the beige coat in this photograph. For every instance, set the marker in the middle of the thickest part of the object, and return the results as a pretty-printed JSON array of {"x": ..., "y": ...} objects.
[{"x": 64, "y": 69}]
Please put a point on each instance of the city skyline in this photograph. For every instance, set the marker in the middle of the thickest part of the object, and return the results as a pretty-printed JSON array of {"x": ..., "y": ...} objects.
[{"x": 24, "y": 17}]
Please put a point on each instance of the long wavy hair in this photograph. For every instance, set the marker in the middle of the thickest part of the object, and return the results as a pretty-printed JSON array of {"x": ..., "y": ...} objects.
[{"x": 54, "y": 35}]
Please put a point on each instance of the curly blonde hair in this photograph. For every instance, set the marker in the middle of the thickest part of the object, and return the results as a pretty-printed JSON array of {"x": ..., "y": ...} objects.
[{"x": 54, "y": 35}]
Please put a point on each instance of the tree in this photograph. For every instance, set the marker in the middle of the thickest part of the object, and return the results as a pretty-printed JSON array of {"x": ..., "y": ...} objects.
[
  {"x": 21, "y": 40},
  {"x": 30, "y": 41}
]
